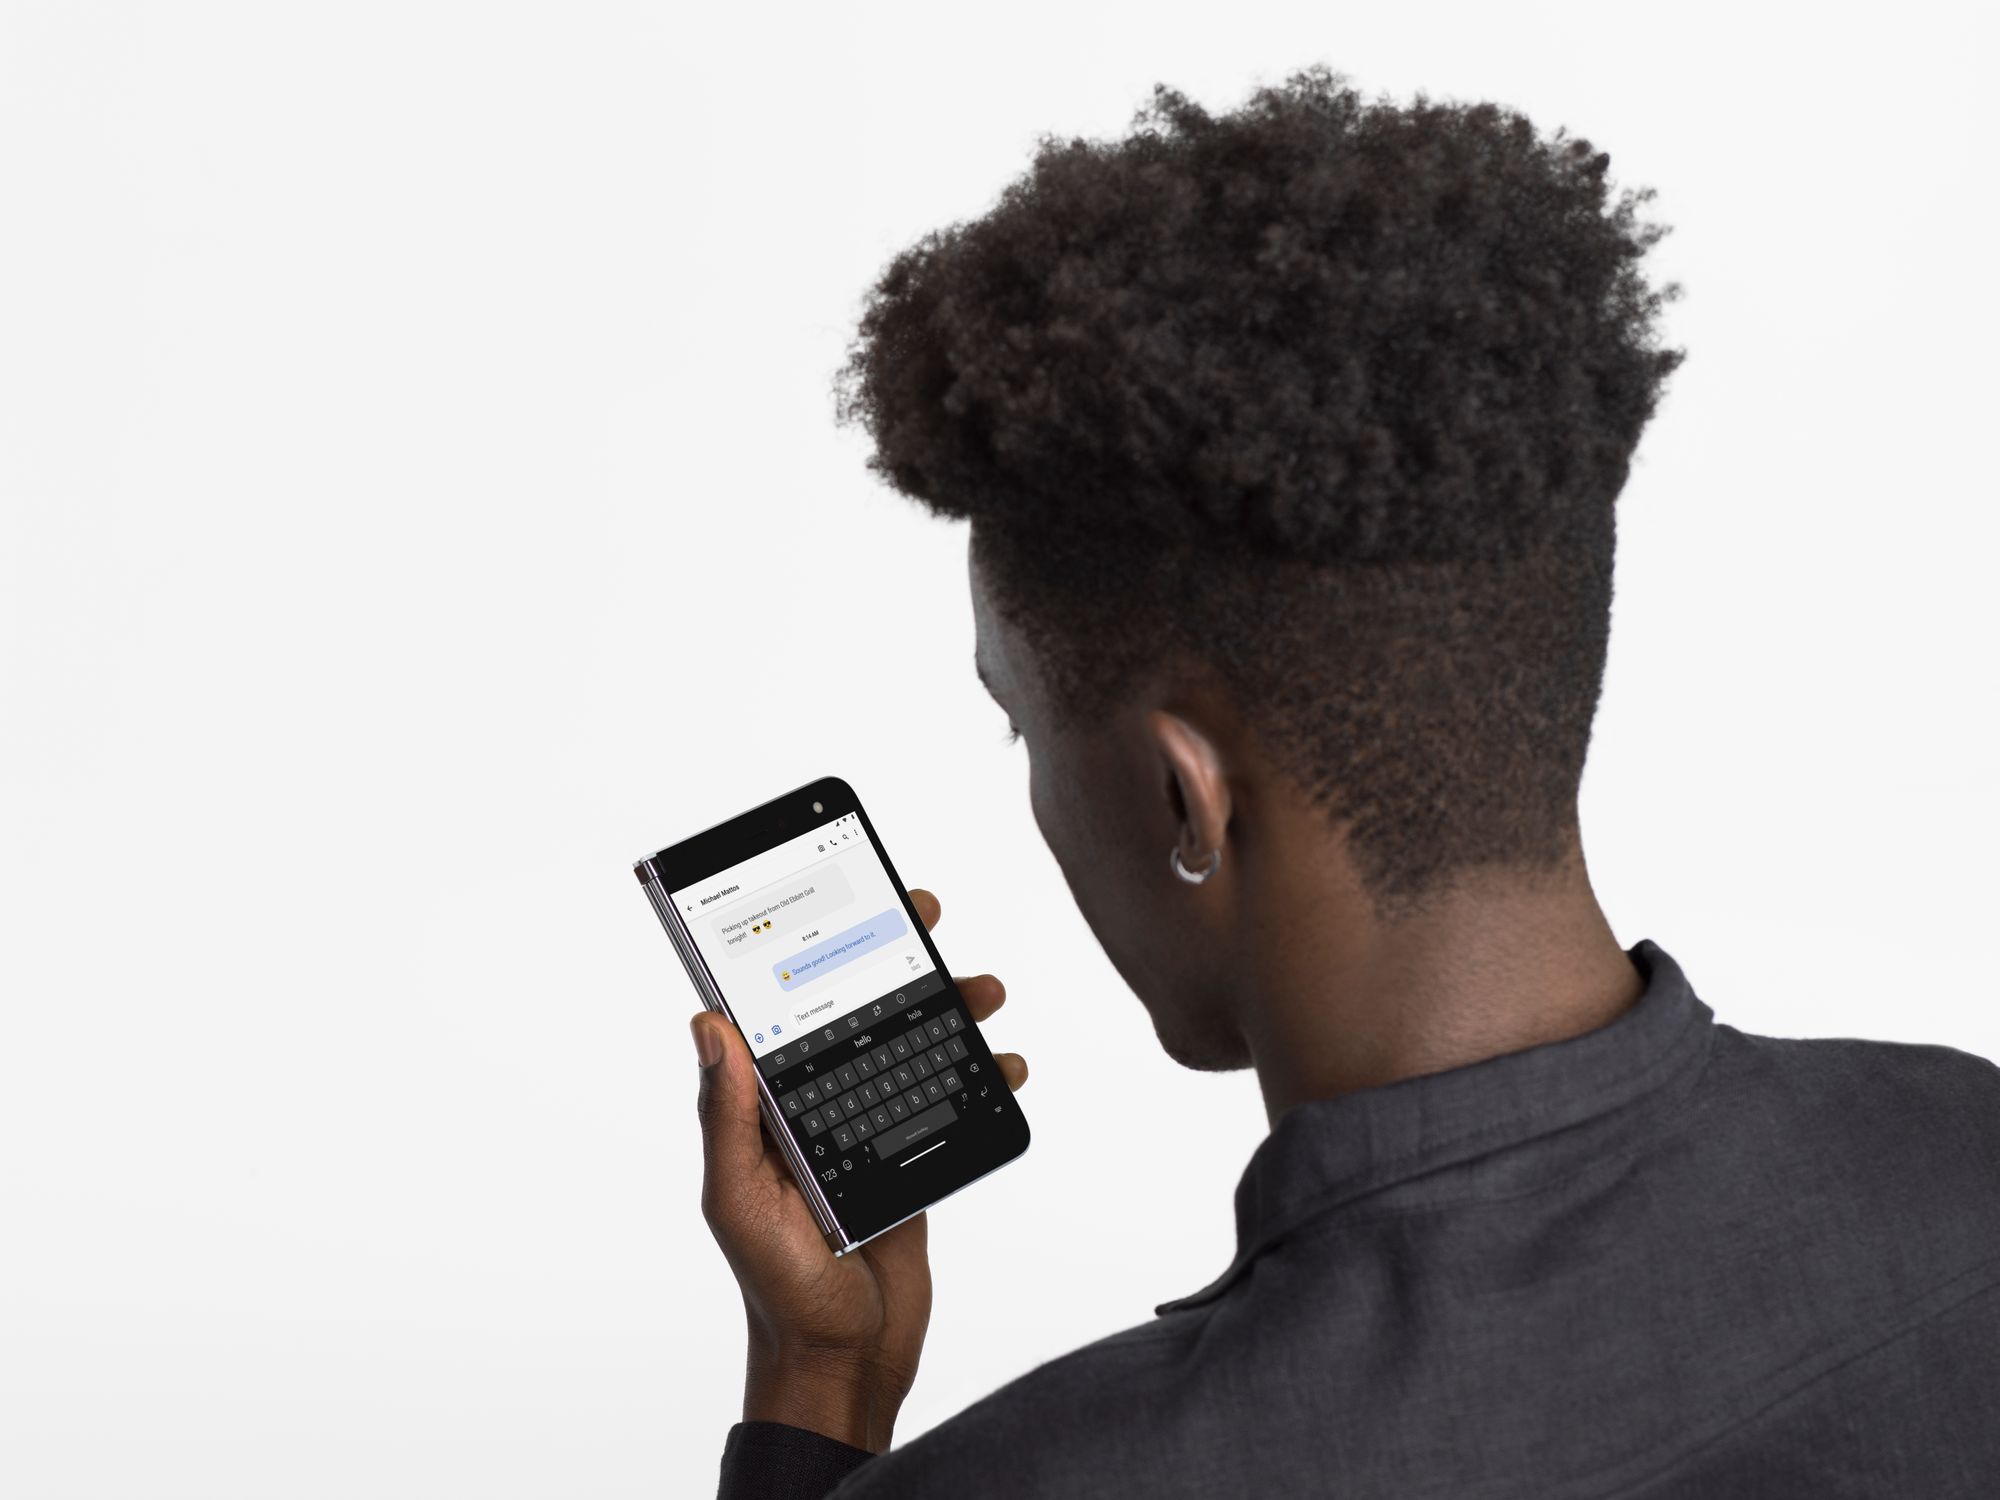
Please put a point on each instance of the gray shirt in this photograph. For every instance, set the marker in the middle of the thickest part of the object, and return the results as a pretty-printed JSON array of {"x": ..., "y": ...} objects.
[{"x": 1666, "y": 1257}]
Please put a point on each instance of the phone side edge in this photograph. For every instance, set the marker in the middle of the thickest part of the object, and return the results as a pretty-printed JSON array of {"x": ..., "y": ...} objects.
[{"x": 830, "y": 1227}]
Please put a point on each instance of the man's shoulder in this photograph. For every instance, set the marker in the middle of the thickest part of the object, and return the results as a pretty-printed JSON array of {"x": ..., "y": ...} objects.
[
  {"x": 1046, "y": 1432},
  {"x": 1906, "y": 1129},
  {"x": 1893, "y": 1091}
]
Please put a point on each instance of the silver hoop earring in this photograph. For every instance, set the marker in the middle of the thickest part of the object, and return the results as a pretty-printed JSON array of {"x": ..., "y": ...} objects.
[{"x": 1194, "y": 877}]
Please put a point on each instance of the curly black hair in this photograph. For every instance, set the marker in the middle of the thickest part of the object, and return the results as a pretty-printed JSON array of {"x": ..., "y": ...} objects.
[{"x": 1335, "y": 396}]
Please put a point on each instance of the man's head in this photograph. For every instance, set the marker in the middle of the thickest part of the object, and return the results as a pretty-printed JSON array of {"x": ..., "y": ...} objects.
[{"x": 1290, "y": 440}]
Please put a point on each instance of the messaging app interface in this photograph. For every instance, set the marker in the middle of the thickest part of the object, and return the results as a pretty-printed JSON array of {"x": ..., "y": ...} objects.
[
  {"x": 873, "y": 1063},
  {"x": 808, "y": 941}
]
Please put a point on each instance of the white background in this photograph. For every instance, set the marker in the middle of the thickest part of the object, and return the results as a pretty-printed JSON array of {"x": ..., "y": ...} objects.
[{"x": 422, "y": 497}]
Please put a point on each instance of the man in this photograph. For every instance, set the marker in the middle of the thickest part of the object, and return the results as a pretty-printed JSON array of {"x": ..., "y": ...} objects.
[{"x": 1290, "y": 442}]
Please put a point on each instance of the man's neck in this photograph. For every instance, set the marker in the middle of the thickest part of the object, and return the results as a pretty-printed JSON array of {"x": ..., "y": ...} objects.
[{"x": 1495, "y": 967}]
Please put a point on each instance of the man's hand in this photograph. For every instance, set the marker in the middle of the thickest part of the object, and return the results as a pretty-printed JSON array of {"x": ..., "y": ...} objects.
[{"x": 834, "y": 1343}]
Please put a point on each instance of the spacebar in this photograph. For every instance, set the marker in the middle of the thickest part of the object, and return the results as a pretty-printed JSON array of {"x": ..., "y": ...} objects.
[{"x": 930, "y": 1122}]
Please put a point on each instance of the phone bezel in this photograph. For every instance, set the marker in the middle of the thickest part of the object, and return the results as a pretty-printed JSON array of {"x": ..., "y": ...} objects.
[{"x": 736, "y": 839}]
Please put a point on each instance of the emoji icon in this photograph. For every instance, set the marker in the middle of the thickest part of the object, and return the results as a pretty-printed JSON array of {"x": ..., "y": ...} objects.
[{"x": 786, "y": 975}]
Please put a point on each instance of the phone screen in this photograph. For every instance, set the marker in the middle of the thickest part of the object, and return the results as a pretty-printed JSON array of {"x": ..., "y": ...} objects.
[
  {"x": 866, "y": 1047},
  {"x": 807, "y": 938}
]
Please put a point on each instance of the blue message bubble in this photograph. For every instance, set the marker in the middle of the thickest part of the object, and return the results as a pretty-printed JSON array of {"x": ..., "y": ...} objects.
[{"x": 843, "y": 947}]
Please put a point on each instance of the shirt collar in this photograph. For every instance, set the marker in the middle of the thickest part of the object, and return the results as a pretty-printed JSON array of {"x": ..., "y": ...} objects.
[{"x": 1327, "y": 1152}]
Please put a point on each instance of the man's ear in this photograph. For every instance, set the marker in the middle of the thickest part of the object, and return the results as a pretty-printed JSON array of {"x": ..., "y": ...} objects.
[{"x": 1194, "y": 783}]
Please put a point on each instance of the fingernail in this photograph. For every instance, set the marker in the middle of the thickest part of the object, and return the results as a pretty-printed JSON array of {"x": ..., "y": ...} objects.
[{"x": 707, "y": 1045}]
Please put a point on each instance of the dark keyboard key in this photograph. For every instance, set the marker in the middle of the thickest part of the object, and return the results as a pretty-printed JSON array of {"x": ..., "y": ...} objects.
[
  {"x": 812, "y": 1122},
  {"x": 850, "y": 1104},
  {"x": 843, "y": 1138},
  {"x": 899, "y": 1109},
  {"x": 899, "y": 1048},
  {"x": 918, "y": 1127},
  {"x": 933, "y": 1090},
  {"x": 881, "y": 1117},
  {"x": 954, "y": 1048},
  {"x": 792, "y": 1105},
  {"x": 809, "y": 1092},
  {"x": 868, "y": 1094},
  {"x": 934, "y": 1029},
  {"x": 862, "y": 1126},
  {"x": 884, "y": 1059},
  {"x": 918, "y": 1103},
  {"x": 832, "y": 1115},
  {"x": 921, "y": 1066},
  {"x": 847, "y": 1076},
  {"x": 940, "y": 1059},
  {"x": 918, "y": 1040},
  {"x": 903, "y": 1077},
  {"x": 950, "y": 1081},
  {"x": 954, "y": 1023},
  {"x": 864, "y": 1065}
]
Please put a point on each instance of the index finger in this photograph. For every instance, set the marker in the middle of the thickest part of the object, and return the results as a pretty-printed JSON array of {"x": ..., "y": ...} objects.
[
  {"x": 983, "y": 994},
  {"x": 926, "y": 905}
]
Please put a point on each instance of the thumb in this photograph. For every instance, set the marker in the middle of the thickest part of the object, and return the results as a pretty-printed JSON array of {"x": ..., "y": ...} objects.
[{"x": 731, "y": 1128}]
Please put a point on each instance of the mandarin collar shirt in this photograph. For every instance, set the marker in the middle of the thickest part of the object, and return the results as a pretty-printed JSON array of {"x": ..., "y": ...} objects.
[{"x": 1663, "y": 1258}]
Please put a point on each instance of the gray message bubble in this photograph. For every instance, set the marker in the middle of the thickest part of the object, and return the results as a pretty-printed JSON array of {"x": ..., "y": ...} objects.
[{"x": 779, "y": 910}]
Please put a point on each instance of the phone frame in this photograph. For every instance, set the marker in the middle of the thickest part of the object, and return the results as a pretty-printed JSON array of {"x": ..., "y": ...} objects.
[{"x": 731, "y": 841}]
